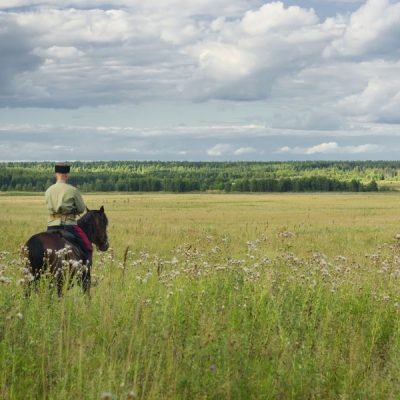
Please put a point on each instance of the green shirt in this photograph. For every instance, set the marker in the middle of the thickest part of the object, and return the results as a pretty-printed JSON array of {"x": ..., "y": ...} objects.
[{"x": 62, "y": 198}]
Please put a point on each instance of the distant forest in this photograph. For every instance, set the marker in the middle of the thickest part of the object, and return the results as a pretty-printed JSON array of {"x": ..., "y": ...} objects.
[{"x": 152, "y": 176}]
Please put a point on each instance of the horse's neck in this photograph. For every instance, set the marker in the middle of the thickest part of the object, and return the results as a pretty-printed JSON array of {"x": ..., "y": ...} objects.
[{"x": 85, "y": 226}]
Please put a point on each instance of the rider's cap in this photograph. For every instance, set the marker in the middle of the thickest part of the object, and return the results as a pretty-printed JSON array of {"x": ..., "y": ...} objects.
[{"x": 62, "y": 168}]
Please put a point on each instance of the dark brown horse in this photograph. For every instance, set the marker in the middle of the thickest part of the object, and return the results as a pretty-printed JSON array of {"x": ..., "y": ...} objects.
[{"x": 51, "y": 252}]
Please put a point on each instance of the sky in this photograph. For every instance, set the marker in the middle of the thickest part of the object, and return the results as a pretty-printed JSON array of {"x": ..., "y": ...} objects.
[{"x": 209, "y": 80}]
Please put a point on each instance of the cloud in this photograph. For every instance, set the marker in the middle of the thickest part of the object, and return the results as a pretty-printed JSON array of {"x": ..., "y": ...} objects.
[
  {"x": 313, "y": 75},
  {"x": 219, "y": 149},
  {"x": 142, "y": 51},
  {"x": 242, "y": 59},
  {"x": 379, "y": 101},
  {"x": 244, "y": 150},
  {"x": 332, "y": 148},
  {"x": 89, "y": 57},
  {"x": 84, "y": 142},
  {"x": 175, "y": 7},
  {"x": 275, "y": 17},
  {"x": 16, "y": 55},
  {"x": 371, "y": 30},
  {"x": 223, "y": 62}
]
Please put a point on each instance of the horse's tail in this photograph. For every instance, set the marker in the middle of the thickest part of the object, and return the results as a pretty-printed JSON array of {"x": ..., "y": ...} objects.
[{"x": 35, "y": 254}]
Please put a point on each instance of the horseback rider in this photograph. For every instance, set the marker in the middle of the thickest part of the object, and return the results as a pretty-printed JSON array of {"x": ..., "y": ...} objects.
[{"x": 64, "y": 203}]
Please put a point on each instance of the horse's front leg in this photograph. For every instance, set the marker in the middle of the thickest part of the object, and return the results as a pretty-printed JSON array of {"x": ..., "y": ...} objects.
[{"x": 31, "y": 281}]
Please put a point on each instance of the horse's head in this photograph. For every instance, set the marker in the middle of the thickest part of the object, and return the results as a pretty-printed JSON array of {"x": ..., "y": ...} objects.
[
  {"x": 100, "y": 232},
  {"x": 95, "y": 222}
]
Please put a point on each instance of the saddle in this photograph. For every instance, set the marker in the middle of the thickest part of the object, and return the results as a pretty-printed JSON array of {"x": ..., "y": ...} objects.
[{"x": 70, "y": 240}]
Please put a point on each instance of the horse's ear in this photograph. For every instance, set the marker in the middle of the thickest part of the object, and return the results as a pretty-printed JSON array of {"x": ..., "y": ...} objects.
[{"x": 102, "y": 209}]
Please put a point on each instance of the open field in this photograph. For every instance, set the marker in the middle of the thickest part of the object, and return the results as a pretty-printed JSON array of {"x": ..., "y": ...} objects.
[{"x": 221, "y": 296}]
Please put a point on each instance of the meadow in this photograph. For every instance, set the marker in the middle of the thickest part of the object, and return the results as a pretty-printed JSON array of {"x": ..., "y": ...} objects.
[{"x": 211, "y": 296}]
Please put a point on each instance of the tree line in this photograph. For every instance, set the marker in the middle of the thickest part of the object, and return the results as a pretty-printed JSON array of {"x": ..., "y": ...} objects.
[{"x": 152, "y": 176}]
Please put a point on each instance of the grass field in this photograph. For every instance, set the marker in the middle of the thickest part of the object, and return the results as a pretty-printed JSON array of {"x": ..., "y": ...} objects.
[{"x": 221, "y": 297}]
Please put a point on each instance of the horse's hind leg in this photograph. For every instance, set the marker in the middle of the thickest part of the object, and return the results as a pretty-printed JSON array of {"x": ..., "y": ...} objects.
[
  {"x": 86, "y": 278},
  {"x": 34, "y": 255}
]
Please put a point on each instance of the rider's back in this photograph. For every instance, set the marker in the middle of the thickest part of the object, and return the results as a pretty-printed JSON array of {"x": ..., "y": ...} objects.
[{"x": 63, "y": 199}]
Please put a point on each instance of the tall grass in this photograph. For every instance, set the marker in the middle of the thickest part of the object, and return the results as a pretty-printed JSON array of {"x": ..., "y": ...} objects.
[{"x": 215, "y": 314}]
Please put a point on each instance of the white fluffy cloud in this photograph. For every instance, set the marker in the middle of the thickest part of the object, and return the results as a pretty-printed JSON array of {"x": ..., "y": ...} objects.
[
  {"x": 332, "y": 148},
  {"x": 219, "y": 149},
  {"x": 379, "y": 101},
  {"x": 373, "y": 29},
  {"x": 275, "y": 17},
  {"x": 244, "y": 150}
]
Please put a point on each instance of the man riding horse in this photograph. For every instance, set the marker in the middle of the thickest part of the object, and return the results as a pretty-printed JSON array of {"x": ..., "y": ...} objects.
[
  {"x": 64, "y": 203},
  {"x": 44, "y": 250}
]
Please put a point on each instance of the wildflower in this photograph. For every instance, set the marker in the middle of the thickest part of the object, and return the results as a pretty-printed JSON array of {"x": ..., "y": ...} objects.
[
  {"x": 374, "y": 257},
  {"x": 252, "y": 246},
  {"x": 215, "y": 250},
  {"x": 286, "y": 235},
  {"x": 19, "y": 315},
  {"x": 174, "y": 261},
  {"x": 132, "y": 395},
  {"x": 5, "y": 280},
  {"x": 107, "y": 396},
  {"x": 76, "y": 264}
]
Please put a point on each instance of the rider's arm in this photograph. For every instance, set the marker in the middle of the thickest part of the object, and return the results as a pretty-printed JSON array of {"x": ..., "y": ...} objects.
[{"x": 79, "y": 203}]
